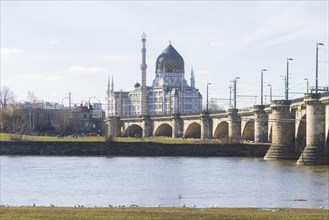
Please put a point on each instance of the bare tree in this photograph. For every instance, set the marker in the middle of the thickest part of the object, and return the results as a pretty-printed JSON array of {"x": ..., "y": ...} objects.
[
  {"x": 31, "y": 97},
  {"x": 6, "y": 97},
  {"x": 13, "y": 120},
  {"x": 213, "y": 106},
  {"x": 64, "y": 123}
]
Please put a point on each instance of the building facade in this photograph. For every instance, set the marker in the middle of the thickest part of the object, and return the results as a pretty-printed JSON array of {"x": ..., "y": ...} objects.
[{"x": 169, "y": 93}]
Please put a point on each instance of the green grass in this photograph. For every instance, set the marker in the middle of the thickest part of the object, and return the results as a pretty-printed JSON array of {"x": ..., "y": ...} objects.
[
  {"x": 8, "y": 137},
  {"x": 166, "y": 140},
  {"x": 29, "y": 213}
]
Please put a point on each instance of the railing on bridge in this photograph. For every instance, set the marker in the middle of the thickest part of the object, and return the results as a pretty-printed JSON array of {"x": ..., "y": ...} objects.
[
  {"x": 320, "y": 88},
  {"x": 297, "y": 100}
]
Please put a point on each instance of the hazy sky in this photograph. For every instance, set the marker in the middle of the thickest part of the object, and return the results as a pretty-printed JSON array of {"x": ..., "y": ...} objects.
[{"x": 56, "y": 47}]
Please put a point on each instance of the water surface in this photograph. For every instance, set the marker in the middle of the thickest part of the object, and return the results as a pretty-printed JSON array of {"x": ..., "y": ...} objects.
[{"x": 164, "y": 181}]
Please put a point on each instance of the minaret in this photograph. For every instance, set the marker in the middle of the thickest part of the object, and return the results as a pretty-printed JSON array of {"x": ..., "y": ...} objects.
[
  {"x": 112, "y": 86},
  {"x": 108, "y": 97},
  {"x": 144, "y": 106},
  {"x": 112, "y": 98},
  {"x": 108, "y": 88},
  {"x": 192, "y": 78}
]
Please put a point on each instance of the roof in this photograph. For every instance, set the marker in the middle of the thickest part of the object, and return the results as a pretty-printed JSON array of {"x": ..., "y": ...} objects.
[
  {"x": 170, "y": 59},
  {"x": 81, "y": 109}
]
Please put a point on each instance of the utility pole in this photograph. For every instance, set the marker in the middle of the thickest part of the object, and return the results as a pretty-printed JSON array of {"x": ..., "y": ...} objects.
[
  {"x": 316, "y": 66},
  {"x": 287, "y": 79},
  {"x": 207, "y": 96},
  {"x": 230, "y": 96},
  {"x": 307, "y": 85},
  {"x": 269, "y": 85},
  {"x": 70, "y": 101},
  {"x": 262, "y": 86},
  {"x": 235, "y": 81}
]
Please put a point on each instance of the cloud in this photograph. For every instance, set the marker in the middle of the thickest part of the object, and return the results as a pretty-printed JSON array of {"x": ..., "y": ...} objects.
[
  {"x": 203, "y": 72},
  {"x": 53, "y": 41},
  {"x": 216, "y": 44},
  {"x": 280, "y": 27},
  {"x": 122, "y": 58},
  {"x": 11, "y": 51},
  {"x": 80, "y": 70},
  {"x": 41, "y": 77}
]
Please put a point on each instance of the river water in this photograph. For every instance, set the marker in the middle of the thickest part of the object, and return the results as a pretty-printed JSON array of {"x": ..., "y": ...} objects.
[{"x": 164, "y": 181}]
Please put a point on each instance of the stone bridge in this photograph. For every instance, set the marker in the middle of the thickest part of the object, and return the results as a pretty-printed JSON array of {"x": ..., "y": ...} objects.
[{"x": 297, "y": 129}]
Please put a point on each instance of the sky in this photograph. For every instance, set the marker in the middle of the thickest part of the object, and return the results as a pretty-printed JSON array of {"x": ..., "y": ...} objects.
[{"x": 53, "y": 48}]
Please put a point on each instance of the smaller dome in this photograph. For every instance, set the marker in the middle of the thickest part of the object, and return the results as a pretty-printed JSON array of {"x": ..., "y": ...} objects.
[{"x": 137, "y": 85}]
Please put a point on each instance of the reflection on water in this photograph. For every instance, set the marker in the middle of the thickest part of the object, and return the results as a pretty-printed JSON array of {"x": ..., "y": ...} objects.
[{"x": 165, "y": 181}]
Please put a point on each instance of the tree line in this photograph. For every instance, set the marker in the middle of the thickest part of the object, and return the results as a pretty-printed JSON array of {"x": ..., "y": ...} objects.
[{"x": 33, "y": 118}]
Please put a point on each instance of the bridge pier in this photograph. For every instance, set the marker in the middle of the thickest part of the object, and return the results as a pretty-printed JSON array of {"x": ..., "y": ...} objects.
[
  {"x": 206, "y": 125},
  {"x": 113, "y": 127},
  {"x": 325, "y": 101},
  {"x": 234, "y": 124},
  {"x": 315, "y": 151},
  {"x": 148, "y": 126},
  {"x": 261, "y": 124},
  {"x": 177, "y": 122},
  {"x": 283, "y": 137}
]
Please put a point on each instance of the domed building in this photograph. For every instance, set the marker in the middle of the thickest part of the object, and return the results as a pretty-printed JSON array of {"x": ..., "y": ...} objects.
[{"x": 169, "y": 93}]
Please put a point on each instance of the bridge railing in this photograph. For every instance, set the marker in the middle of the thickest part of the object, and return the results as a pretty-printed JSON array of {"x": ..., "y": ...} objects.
[{"x": 297, "y": 100}]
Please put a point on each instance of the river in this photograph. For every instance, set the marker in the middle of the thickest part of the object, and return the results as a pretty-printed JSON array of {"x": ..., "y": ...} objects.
[{"x": 164, "y": 181}]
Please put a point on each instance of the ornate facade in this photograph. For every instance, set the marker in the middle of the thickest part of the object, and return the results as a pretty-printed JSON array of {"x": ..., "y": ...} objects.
[{"x": 169, "y": 93}]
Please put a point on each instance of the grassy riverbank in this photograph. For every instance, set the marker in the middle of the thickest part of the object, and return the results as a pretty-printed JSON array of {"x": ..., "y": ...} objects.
[
  {"x": 29, "y": 213},
  {"x": 17, "y": 137},
  {"x": 166, "y": 140}
]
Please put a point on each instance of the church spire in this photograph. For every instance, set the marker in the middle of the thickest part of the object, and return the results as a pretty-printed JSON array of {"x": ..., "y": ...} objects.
[{"x": 192, "y": 78}]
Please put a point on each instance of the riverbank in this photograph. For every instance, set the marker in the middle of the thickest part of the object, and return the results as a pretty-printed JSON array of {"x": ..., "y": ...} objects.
[
  {"x": 50, "y": 213},
  {"x": 131, "y": 149}
]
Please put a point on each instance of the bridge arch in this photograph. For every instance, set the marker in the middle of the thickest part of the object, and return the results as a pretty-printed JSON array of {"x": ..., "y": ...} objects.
[
  {"x": 221, "y": 131},
  {"x": 164, "y": 130},
  {"x": 193, "y": 131},
  {"x": 301, "y": 135},
  {"x": 133, "y": 130},
  {"x": 249, "y": 131},
  {"x": 327, "y": 142},
  {"x": 270, "y": 134}
]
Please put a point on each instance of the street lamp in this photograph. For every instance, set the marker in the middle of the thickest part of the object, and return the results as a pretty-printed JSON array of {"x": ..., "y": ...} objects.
[
  {"x": 287, "y": 79},
  {"x": 235, "y": 80},
  {"x": 66, "y": 97},
  {"x": 269, "y": 85},
  {"x": 207, "y": 96},
  {"x": 306, "y": 85},
  {"x": 230, "y": 104},
  {"x": 94, "y": 97},
  {"x": 316, "y": 66},
  {"x": 261, "y": 86}
]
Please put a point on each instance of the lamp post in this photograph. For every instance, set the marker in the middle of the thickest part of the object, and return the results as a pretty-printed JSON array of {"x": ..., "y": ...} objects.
[
  {"x": 207, "y": 96},
  {"x": 287, "y": 79},
  {"x": 235, "y": 80},
  {"x": 99, "y": 107},
  {"x": 269, "y": 85},
  {"x": 307, "y": 86},
  {"x": 66, "y": 97},
  {"x": 261, "y": 86},
  {"x": 316, "y": 66},
  {"x": 230, "y": 104}
]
